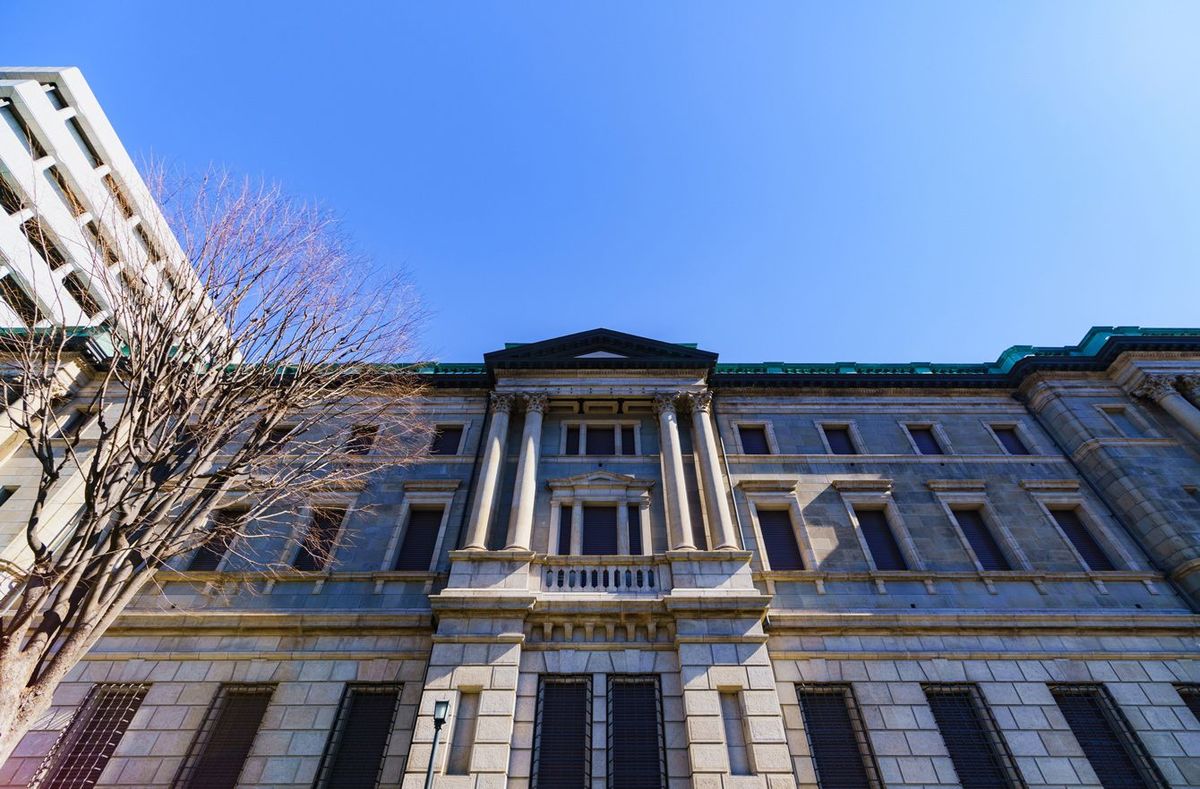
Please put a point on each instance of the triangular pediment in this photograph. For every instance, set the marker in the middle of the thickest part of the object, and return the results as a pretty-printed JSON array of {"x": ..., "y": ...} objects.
[
  {"x": 602, "y": 349},
  {"x": 601, "y": 478}
]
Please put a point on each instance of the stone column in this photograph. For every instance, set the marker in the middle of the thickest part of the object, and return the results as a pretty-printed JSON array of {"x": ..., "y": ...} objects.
[
  {"x": 1191, "y": 387},
  {"x": 674, "y": 488},
  {"x": 489, "y": 477},
  {"x": 715, "y": 499},
  {"x": 1161, "y": 389},
  {"x": 521, "y": 530}
]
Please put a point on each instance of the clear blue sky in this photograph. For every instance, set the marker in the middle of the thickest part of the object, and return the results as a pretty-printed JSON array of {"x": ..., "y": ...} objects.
[{"x": 793, "y": 181}]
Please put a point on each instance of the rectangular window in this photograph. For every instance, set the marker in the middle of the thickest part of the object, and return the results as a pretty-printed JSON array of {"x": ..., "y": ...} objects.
[
  {"x": 601, "y": 440},
  {"x": 224, "y": 525},
  {"x": 41, "y": 241},
  {"x": 19, "y": 301},
  {"x": 779, "y": 540},
  {"x": 85, "y": 145},
  {"x": 1191, "y": 697},
  {"x": 73, "y": 425},
  {"x": 925, "y": 440},
  {"x": 1120, "y": 418},
  {"x": 837, "y": 740},
  {"x": 102, "y": 244},
  {"x": 79, "y": 291},
  {"x": 735, "y": 733},
  {"x": 981, "y": 540},
  {"x": 599, "y": 531},
  {"x": 1081, "y": 537},
  {"x": 420, "y": 538},
  {"x": 634, "y": 513},
  {"x": 317, "y": 548},
  {"x": 64, "y": 190},
  {"x": 359, "y": 740},
  {"x": 6, "y": 493},
  {"x": 976, "y": 748},
  {"x": 446, "y": 439},
  {"x": 628, "y": 441},
  {"x": 1010, "y": 440},
  {"x": 754, "y": 440},
  {"x": 881, "y": 542},
  {"x": 20, "y": 128},
  {"x": 572, "y": 440},
  {"x": 278, "y": 436},
  {"x": 219, "y": 751},
  {"x": 838, "y": 437},
  {"x": 463, "y": 736},
  {"x": 1114, "y": 752},
  {"x": 122, "y": 202},
  {"x": 566, "y": 524},
  {"x": 362, "y": 438},
  {"x": 635, "y": 734},
  {"x": 80, "y": 755},
  {"x": 10, "y": 200},
  {"x": 562, "y": 744}
]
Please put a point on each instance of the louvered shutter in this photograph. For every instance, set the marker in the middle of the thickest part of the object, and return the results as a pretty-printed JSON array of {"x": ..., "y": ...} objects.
[
  {"x": 635, "y": 739},
  {"x": 779, "y": 540},
  {"x": 599, "y": 531},
  {"x": 562, "y": 747},
  {"x": 754, "y": 440},
  {"x": 572, "y": 441},
  {"x": 980, "y": 538},
  {"x": 566, "y": 520},
  {"x": 837, "y": 741},
  {"x": 1077, "y": 532},
  {"x": 635, "y": 529},
  {"x": 885, "y": 551},
  {"x": 315, "y": 552},
  {"x": 926, "y": 441},
  {"x": 1011, "y": 442},
  {"x": 628, "y": 442},
  {"x": 978, "y": 754},
  {"x": 839, "y": 441},
  {"x": 360, "y": 737},
  {"x": 80, "y": 756},
  {"x": 446, "y": 439},
  {"x": 601, "y": 440},
  {"x": 1102, "y": 732},
  {"x": 227, "y": 736},
  {"x": 420, "y": 537}
]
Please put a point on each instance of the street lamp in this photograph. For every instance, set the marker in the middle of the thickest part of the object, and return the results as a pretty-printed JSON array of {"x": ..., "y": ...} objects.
[{"x": 441, "y": 711}]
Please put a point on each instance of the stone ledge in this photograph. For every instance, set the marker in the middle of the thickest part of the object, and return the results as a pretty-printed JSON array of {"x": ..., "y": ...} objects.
[
  {"x": 488, "y": 556},
  {"x": 929, "y": 622},
  {"x": 724, "y": 555}
]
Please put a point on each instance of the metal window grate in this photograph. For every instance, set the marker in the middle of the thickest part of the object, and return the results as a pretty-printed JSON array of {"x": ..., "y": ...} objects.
[
  {"x": 837, "y": 739},
  {"x": 1077, "y": 532},
  {"x": 1191, "y": 697},
  {"x": 779, "y": 540},
  {"x": 981, "y": 540},
  {"x": 416, "y": 552},
  {"x": 81, "y": 753},
  {"x": 317, "y": 548},
  {"x": 562, "y": 744},
  {"x": 885, "y": 551},
  {"x": 354, "y": 754},
  {"x": 635, "y": 733},
  {"x": 976, "y": 748},
  {"x": 219, "y": 751},
  {"x": 1114, "y": 752}
]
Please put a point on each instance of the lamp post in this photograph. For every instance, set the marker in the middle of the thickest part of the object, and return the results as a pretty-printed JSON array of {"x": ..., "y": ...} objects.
[{"x": 441, "y": 711}]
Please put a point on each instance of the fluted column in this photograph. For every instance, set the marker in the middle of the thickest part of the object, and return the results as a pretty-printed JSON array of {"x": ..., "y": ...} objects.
[
  {"x": 674, "y": 487},
  {"x": 489, "y": 477},
  {"x": 719, "y": 517},
  {"x": 1161, "y": 389},
  {"x": 521, "y": 531}
]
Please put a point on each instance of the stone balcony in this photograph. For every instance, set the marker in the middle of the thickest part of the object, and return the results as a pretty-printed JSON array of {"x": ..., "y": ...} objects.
[{"x": 648, "y": 576}]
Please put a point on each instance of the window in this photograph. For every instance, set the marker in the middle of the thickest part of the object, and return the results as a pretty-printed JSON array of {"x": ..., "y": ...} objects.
[
  {"x": 881, "y": 542},
  {"x": 599, "y": 439},
  {"x": 1191, "y": 697},
  {"x": 219, "y": 751},
  {"x": 80, "y": 755},
  {"x": 446, "y": 439},
  {"x": 600, "y": 531},
  {"x": 463, "y": 736},
  {"x": 839, "y": 440},
  {"x": 362, "y": 437},
  {"x": 9, "y": 198},
  {"x": 1122, "y": 421},
  {"x": 837, "y": 739},
  {"x": 317, "y": 548},
  {"x": 119, "y": 196},
  {"x": 635, "y": 734},
  {"x": 64, "y": 190},
  {"x": 277, "y": 437},
  {"x": 15, "y": 122},
  {"x": 566, "y": 524},
  {"x": 987, "y": 551},
  {"x": 1115, "y": 754},
  {"x": 224, "y": 528},
  {"x": 420, "y": 538},
  {"x": 754, "y": 440},
  {"x": 562, "y": 744},
  {"x": 735, "y": 733},
  {"x": 1094, "y": 557},
  {"x": 924, "y": 439},
  {"x": 151, "y": 249},
  {"x": 1010, "y": 440},
  {"x": 85, "y": 145},
  {"x": 73, "y": 425},
  {"x": 779, "y": 540},
  {"x": 102, "y": 244},
  {"x": 354, "y": 754},
  {"x": 979, "y": 754},
  {"x": 634, "y": 513},
  {"x": 19, "y": 301},
  {"x": 6, "y": 493},
  {"x": 41, "y": 241},
  {"x": 79, "y": 291}
]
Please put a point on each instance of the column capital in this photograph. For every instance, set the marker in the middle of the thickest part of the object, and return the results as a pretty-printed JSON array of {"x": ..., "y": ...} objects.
[
  {"x": 700, "y": 401},
  {"x": 536, "y": 401},
  {"x": 1156, "y": 388},
  {"x": 664, "y": 403},
  {"x": 502, "y": 403},
  {"x": 1190, "y": 384}
]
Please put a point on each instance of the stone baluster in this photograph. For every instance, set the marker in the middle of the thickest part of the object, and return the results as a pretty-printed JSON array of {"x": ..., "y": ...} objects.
[
  {"x": 717, "y": 503},
  {"x": 674, "y": 487},
  {"x": 1161, "y": 389},
  {"x": 489, "y": 478},
  {"x": 521, "y": 531}
]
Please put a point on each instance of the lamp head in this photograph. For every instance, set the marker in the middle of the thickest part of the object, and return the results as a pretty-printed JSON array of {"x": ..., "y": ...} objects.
[{"x": 441, "y": 711}]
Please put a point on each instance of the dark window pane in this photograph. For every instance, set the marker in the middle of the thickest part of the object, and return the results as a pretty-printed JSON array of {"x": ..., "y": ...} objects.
[
  {"x": 779, "y": 540},
  {"x": 9, "y": 199},
  {"x": 635, "y": 529},
  {"x": 40, "y": 240},
  {"x": 1103, "y": 734},
  {"x": 416, "y": 552},
  {"x": 572, "y": 447},
  {"x": 836, "y": 738},
  {"x": 84, "y": 749},
  {"x": 601, "y": 440},
  {"x": 225, "y": 739},
  {"x": 562, "y": 745},
  {"x": 926, "y": 441},
  {"x": 839, "y": 441},
  {"x": 6, "y": 493},
  {"x": 210, "y": 554},
  {"x": 754, "y": 440},
  {"x": 360, "y": 737},
  {"x": 362, "y": 437},
  {"x": 885, "y": 551},
  {"x": 79, "y": 291},
  {"x": 19, "y": 301},
  {"x": 635, "y": 740},
  {"x": 1081, "y": 537},
  {"x": 318, "y": 543},
  {"x": 74, "y": 423},
  {"x": 976, "y": 750},
  {"x": 1010, "y": 440},
  {"x": 599, "y": 531},
  {"x": 628, "y": 443},
  {"x": 446, "y": 439},
  {"x": 986, "y": 549},
  {"x": 566, "y": 520}
]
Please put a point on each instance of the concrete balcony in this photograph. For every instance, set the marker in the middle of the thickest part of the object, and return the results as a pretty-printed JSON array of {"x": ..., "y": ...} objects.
[{"x": 643, "y": 576}]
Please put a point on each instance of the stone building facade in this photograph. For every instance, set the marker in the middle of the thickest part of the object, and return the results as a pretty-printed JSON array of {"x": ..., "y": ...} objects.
[{"x": 625, "y": 564}]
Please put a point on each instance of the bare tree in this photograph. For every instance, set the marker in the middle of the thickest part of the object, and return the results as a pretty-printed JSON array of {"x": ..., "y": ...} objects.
[{"x": 247, "y": 367}]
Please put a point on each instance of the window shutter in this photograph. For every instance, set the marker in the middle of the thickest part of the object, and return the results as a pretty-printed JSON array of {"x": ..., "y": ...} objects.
[
  {"x": 779, "y": 540},
  {"x": 226, "y": 737},
  {"x": 837, "y": 741},
  {"x": 1011, "y": 442},
  {"x": 635, "y": 738},
  {"x": 628, "y": 443},
  {"x": 635, "y": 529},
  {"x": 599, "y": 531},
  {"x": 314, "y": 553},
  {"x": 986, "y": 549},
  {"x": 1077, "y": 532},
  {"x": 976, "y": 749},
  {"x": 360, "y": 737},
  {"x": 601, "y": 440},
  {"x": 839, "y": 441},
  {"x": 83, "y": 751},
  {"x": 446, "y": 439},
  {"x": 562, "y": 747},
  {"x": 1102, "y": 732},
  {"x": 754, "y": 440},
  {"x": 566, "y": 521},
  {"x": 885, "y": 551},
  {"x": 572, "y": 447},
  {"x": 926, "y": 441},
  {"x": 416, "y": 551}
]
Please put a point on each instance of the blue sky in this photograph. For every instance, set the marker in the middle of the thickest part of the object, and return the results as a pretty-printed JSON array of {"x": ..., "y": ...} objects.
[{"x": 793, "y": 181}]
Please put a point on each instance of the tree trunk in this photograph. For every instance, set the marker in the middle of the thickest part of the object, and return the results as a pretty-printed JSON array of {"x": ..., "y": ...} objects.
[{"x": 19, "y": 708}]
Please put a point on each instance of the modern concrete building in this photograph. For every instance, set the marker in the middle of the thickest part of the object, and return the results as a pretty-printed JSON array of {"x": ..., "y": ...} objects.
[{"x": 627, "y": 564}]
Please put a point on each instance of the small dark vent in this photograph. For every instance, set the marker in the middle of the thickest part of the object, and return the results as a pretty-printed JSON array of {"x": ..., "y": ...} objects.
[
  {"x": 416, "y": 552},
  {"x": 839, "y": 441},
  {"x": 354, "y": 755},
  {"x": 976, "y": 749},
  {"x": 446, "y": 439},
  {"x": 926, "y": 441},
  {"x": 779, "y": 540},
  {"x": 754, "y": 440},
  {"x": 1103, "y": 733},
  {"x": 599, "y": 530},
  {"x": 635, "y": 529},
  {"x": 837, "y": 739},
  {"x": 635, "y": 735},
  {"x": 315, "y": 552},
  {"x": 885, "y": 551},
  {"x": 562, "y": 748},
  {"x": 1011, "y": 442},
  {"x": 220, "y": 749},
  {"x": 1077, "y": 532},
  {"x": 980, "y": 537},
  {"x": 80, "y": 755}
]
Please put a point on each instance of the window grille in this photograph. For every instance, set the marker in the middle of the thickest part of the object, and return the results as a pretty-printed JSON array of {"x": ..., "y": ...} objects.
[
  {"x": 354, "y": 754},
  {"x": 81, "y": 753},
  {"x": 1011, "y": 442},
  {"x": 1077, "y": 532},
  {"x": 219, "y": 751},
  {"x": 976, "y": 748},
  {"x": 926, "y": 441},
  {"x": 1110, "y": 746},
  {"x": 754, "y": 440},
  {"x": 877, "y": 532},
  {"x": 599, "y": 531},
  {"x": 1191, "y": 697},
  {"x": 636, "y": 757},
  {"x": 416, "y": 551},
  {"x": 317, "y": 548},
  {"x": 981, "y": 540},
  {"x": 837, "y": 740},
  {"x": 779, "y": 540},
  {"x": 446, "y": 439},
  {"x": 562, "y": 744}
]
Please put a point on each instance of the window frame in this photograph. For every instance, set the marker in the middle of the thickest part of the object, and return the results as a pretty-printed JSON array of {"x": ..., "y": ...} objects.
[
  {"x": 882, "y": 500},
  {"x": 1098, "y": 528},
  {"x": 337, "y": 731},
  {"x": 463, "y": 426},
  {"x": 656, "y": 681},
  {"x": 768, "y": 433},
  {"x": 851, "y": 429},
  {"x": 615, "y": 425},
  {"x": 854, "y": 711},
  {"x": 220, "y": 567},
  {"x": 962, "y": 500},
  {"x": 939, "y": 437},
  {"x": 987, "y": 720},
  {"x": 563, "y": 679},
  {"x": 1136, "y": 418},
  {"x": 1128, "y": 738},
  {"x": 785, "y": 501},
  {"x": 61, "y": 752},
  {"x": 203, "y": 737},
  {"x": 303, "y": 529},
  {"x": 1023, "y": 435},
  {"x": 599, "y": 489},
  {"x": 421, "y": 494}
]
